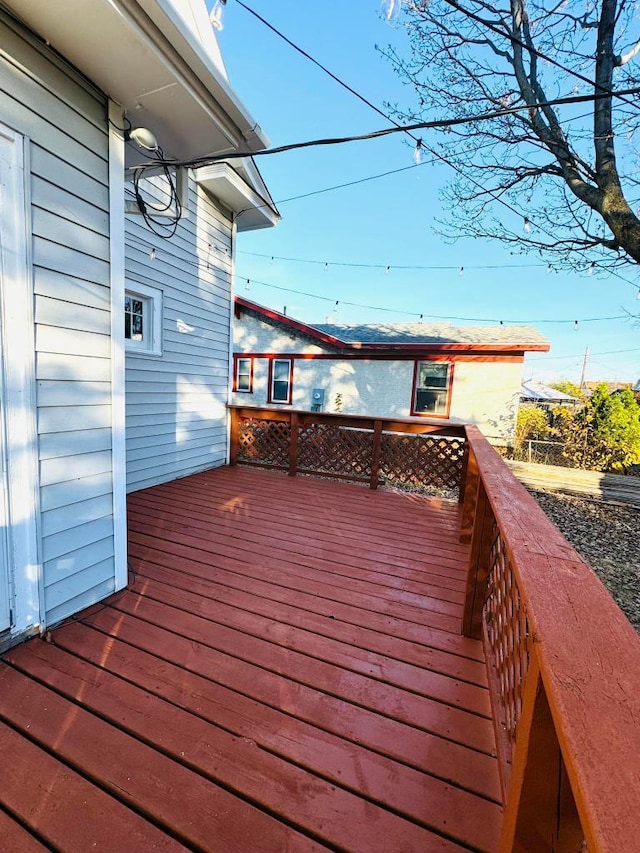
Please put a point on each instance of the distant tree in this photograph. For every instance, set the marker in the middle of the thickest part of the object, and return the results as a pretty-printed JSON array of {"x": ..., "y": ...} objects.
[
  {"x": 570, "y": 171},
  {"x": 532, "y": 425},
  {"x": 605, "y": 433},
  {"x": 566, "y": 387}
]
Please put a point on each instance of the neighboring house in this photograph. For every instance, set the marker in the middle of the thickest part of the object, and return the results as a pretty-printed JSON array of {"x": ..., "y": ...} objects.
[
  {"x": 544, "y": 396},
  {"x": 466, "y": 375},
  {"x": 78, "y": 278}
]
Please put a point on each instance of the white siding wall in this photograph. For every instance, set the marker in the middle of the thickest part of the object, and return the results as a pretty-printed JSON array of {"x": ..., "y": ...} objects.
[
  {"x": 484, "y": 393},
  {"x": 66, "y": 123},
  {"x": 176, "y": 403}
]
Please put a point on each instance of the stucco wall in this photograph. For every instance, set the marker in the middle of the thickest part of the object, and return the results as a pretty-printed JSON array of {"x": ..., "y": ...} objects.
[{"x": 484, "y": 392}]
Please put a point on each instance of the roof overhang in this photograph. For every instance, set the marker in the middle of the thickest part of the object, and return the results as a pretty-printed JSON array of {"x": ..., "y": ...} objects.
[
  {"x": 288, "y": 322},
  {"x": 394, "y": 350},
  {"x": 252, "y": 209},
  {"x": 145, "y": 55}
]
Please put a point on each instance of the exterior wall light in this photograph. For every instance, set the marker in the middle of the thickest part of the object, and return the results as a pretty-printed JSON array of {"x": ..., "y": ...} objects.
[{"x": 143, "y": 138}]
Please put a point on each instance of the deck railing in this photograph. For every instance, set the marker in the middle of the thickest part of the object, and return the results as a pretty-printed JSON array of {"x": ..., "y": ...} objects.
[
  {"x": 563, "y": 661},
  {"x": 369, "y": 450},
  {"x": 564, "y": 672}
]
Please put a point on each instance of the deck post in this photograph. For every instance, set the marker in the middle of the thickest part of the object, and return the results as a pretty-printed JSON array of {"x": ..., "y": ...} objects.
[
  {"x": 234, "y": 427},
  {"x": 293, "y": 444},
  {"x": 540, "y": 810},
  {"x": 471, "y": 479},
  {"x": 375, "y": 453},
  {"x": 478, "y": 566}
]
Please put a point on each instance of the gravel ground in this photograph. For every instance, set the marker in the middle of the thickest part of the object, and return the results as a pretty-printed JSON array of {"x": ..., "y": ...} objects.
[{"x": 607, "y": 536}]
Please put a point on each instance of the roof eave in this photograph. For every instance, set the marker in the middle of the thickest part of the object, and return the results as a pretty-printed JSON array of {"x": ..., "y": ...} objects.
[{"x": 142, "y": 55}]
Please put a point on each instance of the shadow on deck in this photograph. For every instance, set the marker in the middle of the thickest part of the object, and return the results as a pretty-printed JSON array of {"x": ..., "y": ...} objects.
[{"x": 285, "y": 672}]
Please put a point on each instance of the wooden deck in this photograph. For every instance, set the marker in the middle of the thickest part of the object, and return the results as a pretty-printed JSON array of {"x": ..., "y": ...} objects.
[{"x": 285, "y": 673}]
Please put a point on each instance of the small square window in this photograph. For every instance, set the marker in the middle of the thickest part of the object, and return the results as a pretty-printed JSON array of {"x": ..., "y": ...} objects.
[
  {"x": 431, "y": 395},
  {"x": 244, "y": 375},
  {"x": 143, "y": 319}
]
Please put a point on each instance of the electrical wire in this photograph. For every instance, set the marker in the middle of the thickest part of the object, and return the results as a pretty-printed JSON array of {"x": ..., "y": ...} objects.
[
  {"x": 154, "y": 215},
  {"x": 198, "y": 162},
  {"x": 419, "y": 143}
]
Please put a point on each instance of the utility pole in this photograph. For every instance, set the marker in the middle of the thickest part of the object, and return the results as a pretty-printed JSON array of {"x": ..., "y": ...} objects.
[{"x": 584, "y": 369}]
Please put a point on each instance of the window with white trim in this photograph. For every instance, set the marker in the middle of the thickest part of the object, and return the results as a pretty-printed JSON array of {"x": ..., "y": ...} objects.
[
  {"x": 281, "y": 378},
  {"x": 432, "y": 388},
  {"x": 244, "y": 375},
  {"x": 143, "y": 319}
]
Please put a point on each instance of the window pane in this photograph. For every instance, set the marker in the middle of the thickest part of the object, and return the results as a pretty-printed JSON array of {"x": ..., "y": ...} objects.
[
  {"x": 281, "y": 371},
  {"x": 127, "y": 326},
  {"x": 136, "y": 327},
  {"x": 136, "y": 306},
  {"x": 280, "y": 391},
  {"x": 431, "y": 402},
  {"x": 433, "y": 375},
  {"x": 127, "y": 303}
]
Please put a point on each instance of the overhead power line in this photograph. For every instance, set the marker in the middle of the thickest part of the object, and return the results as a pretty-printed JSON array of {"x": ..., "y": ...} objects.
[{"x": 198, "y": 162}]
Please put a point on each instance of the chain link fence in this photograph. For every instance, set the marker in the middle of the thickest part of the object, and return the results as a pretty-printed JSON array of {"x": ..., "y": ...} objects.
[{"x": 543, "y": 452}]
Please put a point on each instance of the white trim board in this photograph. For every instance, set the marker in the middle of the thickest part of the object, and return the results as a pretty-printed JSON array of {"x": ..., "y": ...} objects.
[
  {"x": 117, "y": 261},
  {"x": 16, "y": 292}
]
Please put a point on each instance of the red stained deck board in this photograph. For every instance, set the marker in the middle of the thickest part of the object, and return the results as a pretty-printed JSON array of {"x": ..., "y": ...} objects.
[
  {"x": 430, "y": 716},
  {"x": 303, "y": 743},
  {"x": 328, "y": 649},
  {"x": 16, "y": 839},
  {"x": 185, "y": 545},
  {"x": 388, "y": 737},
  {"x": 258, "y": 597},
  {"x": 411, "y": 603},
  {"x": 389, "y": 546},
  {"x": 182, "y": 802},
  {"x": 221, "y": 678},
  {"x": 387, "y": 532},
  {"x": 420, "y": 582},
  {"x": 322, "y": 544},
  {"x": 249, "y": 578},
  {"x": 324, "y": 809},
  {"x": 68, "y": 812}
]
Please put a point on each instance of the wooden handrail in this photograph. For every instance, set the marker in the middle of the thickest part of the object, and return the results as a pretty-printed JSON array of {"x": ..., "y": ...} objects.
[{"x": 564, "y": 672}]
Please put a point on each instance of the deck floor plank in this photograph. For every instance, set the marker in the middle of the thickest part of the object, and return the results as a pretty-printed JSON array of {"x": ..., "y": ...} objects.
[{"x": 285, "y": 672}]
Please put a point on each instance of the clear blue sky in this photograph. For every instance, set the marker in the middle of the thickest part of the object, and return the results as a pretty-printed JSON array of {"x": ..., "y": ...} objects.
[{"x": 389, "y": 221}]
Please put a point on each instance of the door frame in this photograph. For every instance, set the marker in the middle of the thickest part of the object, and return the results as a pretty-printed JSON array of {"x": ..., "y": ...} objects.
[{"x": 20, "y": 426}]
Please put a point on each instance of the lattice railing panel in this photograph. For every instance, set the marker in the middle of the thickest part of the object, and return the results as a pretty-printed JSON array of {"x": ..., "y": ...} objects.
[
  {"x": 421, "y": 460},
  {"x": 264, "y": 442},
  {"x": 507, "y": 634},
  {"x": 341, "y": 451}
]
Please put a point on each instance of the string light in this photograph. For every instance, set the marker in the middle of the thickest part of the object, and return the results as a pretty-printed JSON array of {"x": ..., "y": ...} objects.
[
  {"x": 527, "y": 225},
  {"x": 417, "y": 153},
  {"x": 592, "y": 267},
  {"x": 461, "y": 273},
  {"x": 335, "y": 307},
  {"x": 169, "y": 261},
  {"x": 152, "y": 255},
  {"x": 216, "y": 15}
]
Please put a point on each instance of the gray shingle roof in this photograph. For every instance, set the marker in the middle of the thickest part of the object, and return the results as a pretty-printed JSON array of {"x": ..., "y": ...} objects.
[{"x": 431, "y": 333}]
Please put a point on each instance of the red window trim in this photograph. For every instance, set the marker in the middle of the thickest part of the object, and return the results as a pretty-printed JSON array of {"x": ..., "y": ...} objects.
[
  {"x": 446, "y": 415},
  {"x": 236, "y": 360},
  {"x": 270, "y": 385}
]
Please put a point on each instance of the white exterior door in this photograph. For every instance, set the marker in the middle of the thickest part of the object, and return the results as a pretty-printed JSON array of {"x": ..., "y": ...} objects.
[{"x": 20, "y": 588}]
